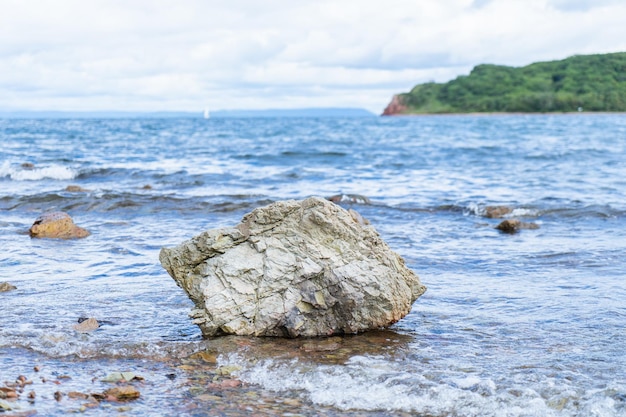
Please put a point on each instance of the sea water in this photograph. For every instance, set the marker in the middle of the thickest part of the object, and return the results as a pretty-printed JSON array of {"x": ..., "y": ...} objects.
[{"x": 528, "y": 324}]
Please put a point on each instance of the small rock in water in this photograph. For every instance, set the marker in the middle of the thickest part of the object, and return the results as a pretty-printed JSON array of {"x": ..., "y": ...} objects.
[
  {"x": 513, "y": 226},
  {"x": 75, "y": 395},
  {"x": 87, "y": 326},
  {"x": 75, "y": 189},
  {"x": 56, "y": 225},
  {"x": 225, "y": 383},
  {"x": 122, "y": 376},
  {"x": 28, "y": 165},
  {"x": 227, "y": 370},
  {"x": 8, "y": 393},
  {"x": 5, "y": 287},
  {"x": 208, "y": 357},
  {"x": 497, "y": 212},
  {"x": 122, "y": 393}
]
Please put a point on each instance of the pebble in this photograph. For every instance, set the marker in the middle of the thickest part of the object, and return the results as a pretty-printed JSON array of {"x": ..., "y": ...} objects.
[
  {"x": 208, "y": 357},
  {"x": 122, "y": 393}
]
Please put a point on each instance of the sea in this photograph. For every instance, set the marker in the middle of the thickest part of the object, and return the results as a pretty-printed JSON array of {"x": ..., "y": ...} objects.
[{"x": 531, "y": 323}]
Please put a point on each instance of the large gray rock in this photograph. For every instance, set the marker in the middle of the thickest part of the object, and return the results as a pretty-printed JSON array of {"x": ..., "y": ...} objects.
[{"x": 293, "y": 268}]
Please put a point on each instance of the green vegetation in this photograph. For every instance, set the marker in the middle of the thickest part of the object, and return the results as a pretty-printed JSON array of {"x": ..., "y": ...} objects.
[{"x": 588, "y": 82}]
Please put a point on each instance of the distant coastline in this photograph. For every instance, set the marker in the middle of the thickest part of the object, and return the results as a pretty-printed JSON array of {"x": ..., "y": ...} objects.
[
  {"x": 42, "y": 114},
  {"x": 301, "y": 112},
  {"x": 501, "y": 113},
  {"x": 578, "y": 84},
  {"x": 219, "y": 114}
]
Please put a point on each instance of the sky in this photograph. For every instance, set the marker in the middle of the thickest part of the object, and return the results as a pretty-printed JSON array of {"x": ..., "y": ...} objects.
[{"x": 188, "y": 55}]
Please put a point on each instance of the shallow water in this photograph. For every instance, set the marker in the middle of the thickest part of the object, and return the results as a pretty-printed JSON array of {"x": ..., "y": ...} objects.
[{"x": 530, "y": 324}]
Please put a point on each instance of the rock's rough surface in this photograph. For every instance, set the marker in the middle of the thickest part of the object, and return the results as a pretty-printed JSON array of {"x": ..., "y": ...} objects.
[
  {"x": 293, "y": 268},
  {"x": 58, "y": 225}
]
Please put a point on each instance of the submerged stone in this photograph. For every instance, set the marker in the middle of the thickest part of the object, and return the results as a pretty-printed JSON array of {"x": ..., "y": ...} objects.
[{"x": 293, "y": 268}]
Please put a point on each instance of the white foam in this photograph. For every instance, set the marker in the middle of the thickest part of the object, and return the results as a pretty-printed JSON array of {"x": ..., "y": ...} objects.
[
  {"x": 54, "y": 172},
  {"x": 367, "y": 383},
  {"x": 522, "y": 212}
]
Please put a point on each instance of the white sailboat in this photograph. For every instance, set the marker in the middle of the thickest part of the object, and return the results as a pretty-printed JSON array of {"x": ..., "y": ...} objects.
[{"x": 206, "y": 113}]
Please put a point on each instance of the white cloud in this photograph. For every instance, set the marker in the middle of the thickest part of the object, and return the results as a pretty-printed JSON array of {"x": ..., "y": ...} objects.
[{"x": 188, "y": 54}]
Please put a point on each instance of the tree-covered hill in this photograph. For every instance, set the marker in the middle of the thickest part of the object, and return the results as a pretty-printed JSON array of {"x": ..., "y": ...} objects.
[{"x": 581, "y": 82}]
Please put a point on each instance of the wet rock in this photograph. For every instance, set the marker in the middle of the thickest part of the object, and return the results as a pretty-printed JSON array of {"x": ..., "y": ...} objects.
[
  {"x": 87, "y": 326},
  {"x": 293, "y": 268},
  {"x": 122, "y": 376},
  {"x": 227, "y": 370},
  {"x": 497, "y": 212},
  {"x": 225, "y": 383},
  {"x": 22, "y": 380},
  {"x": 4, "y": 406},
  {"x": 5, "y": 287},
  {"x": 207, "y": 357},
  {"x": 75, "y": 395},
  {"x": 122, "y": 393},
  {"x": 8, "y": 393},
  {"x": 28, "y": 165},
  {"x": 75, "y": 189},
  {"x": 513, "y": 226},
  {"x": 56, "y": 225}
]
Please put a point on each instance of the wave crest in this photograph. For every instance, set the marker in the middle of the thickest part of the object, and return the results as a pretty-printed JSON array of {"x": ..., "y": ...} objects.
[{"x": 21, "y": 173}]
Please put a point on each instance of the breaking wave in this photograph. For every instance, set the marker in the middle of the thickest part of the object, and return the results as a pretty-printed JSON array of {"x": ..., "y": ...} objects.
[
  {"x": 32, "y": 173},
  {"x": 371, "y": 384}
]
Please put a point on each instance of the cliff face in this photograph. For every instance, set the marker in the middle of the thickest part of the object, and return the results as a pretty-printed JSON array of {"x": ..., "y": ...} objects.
[{"x": 396, "y": 107}]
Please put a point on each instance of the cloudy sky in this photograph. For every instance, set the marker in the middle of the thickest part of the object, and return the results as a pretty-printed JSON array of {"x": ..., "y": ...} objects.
[{"x": 150, "y": 55}]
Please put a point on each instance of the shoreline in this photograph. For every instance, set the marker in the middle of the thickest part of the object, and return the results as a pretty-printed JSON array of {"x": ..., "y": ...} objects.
[{"x": 592, "y": 113}]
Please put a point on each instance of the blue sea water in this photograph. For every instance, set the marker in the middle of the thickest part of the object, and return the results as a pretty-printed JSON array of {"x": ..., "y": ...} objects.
[{"x": 528, "y": 324}]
